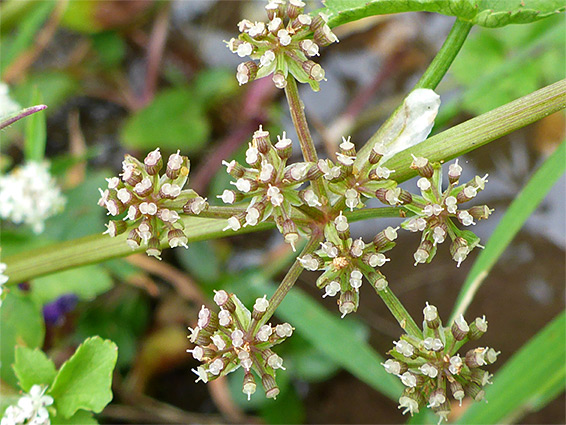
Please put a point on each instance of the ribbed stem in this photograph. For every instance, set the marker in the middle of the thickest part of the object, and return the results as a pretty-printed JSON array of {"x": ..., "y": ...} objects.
[{"x": 399, "y": 312}]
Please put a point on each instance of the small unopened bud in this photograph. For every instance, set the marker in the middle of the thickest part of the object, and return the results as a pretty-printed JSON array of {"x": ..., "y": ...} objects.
[
  {"x": 477, "y": 328},
  {"x": 261, "y": 140},
  {"x": 310, "y": 198},
  {"x": 347, "y": 303},
  {"x": 423, "y": 252},
  {"x": 404, "y": 348},
  {"x": 309, "y": 47},
  {"x": 313, "y": 70},
  {"x": 169, "y": 191},
  {"x": 459, "y": 250},
  {"x": 153, "y": 162},
  {"x": 284, "y": 330},
  {"x": 249, "y": 385},
  {"x": 246, "y": 72},
  {"x": 279, "y": 80},
  {"x": 423, "y": 166},
  {"x": 377, "y": 153},
  {"x": 270, "y": 387},
  {"x": 394, "y": 367},
  {"x": 457, "y": 391},
  {"x": 290, "y": 233},
  {"x": 491, "y": 355},
  {"x": 153, "y": 249},
  {"x": 324, "y": 36},
  {"x": 176, "y": 237},
  {"x": 342, "y": 226},
  {"x": 245, "y": 185},
  {"x": 431, "y": 317},
  {"x": 134, "y": 239},
  {"x": 235, "y": 169},
  {"x": 284, "y": 146},
  {"x": 454, "y": 172},
  {"x": 385, "y": 238},
  {"x": 236, "y": 222},
  {"x": 131, "y": 175},
  {"x": 195, "y": 206},
  {"x": 460, "y": 328},
  {"x": 223, "y": 300},
  {"x": 295, "y": 8},
  {"x": 115, "y": 228},
  {"x": 260, "y": 306},
  {"x": 311, "y": 262},
  {"x": 174, "y": 165},
  {"x": 474, "y": 390},
  {"x": 480, "y": 212}
]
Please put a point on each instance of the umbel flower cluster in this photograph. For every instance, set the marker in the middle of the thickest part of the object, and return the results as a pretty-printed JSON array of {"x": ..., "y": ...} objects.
[
  {"x": 30, "y": 195},
  {"x": 436, "y": 210},
  {"x": 283, "y": 45},
  {"x": 431, "y": 368},
  {"x": 31, "y": 409},
  {"x": 152, "y": 203},
  {"x": 346, "y": 261},
  {"x": 236, "y": 337},
  {"x": 270, "y": 185}
]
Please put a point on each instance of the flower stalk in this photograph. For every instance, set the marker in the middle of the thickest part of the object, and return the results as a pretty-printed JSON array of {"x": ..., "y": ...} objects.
[{"x": 398, "y": 311}]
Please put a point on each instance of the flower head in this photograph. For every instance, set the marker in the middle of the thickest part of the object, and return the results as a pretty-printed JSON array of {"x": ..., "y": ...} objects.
[
  {"x": 235, "y": 337},
  {"x": 283, "y": 45},
  {"x": 151, "y": 203},
  {"x": 30, "y": 409},
  {"x": 432, "y": 370},
  {"x": 30, "y": 195}
]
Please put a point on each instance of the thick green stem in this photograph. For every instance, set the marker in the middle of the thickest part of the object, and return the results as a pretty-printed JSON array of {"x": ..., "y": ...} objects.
[
  {"x": 430, "y": 79},
  {"x": 297, "y": 109},
  {"x": 399, "y": 312},
  {"x": 291, "y": 277}
]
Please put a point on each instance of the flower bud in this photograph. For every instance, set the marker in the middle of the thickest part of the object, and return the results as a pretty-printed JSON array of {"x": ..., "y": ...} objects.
[
  {"x": 153, "y": 249},
  {"x": 324, "y": 36},
  {"x": 153, "y": 162},
  {"x": 480, "y": 212},
  {"x": 395, "y": 367},
  {"x": 134, "y": 239},
  {"x": 459, "y": 250},
  {"x": 423, "y": 252},
  {"x": 474, "y": 390},
  {"x": 480, "y": 377},
  {"x": 454, "y": 172},
  {"x": 431, "y": 317},
  {"x": 174, "y": 165},
  {"x": 460, "y": 328},
  {"x": 377, "y": 153},
  {"x": 270, "y": 387},
  {"x": 261, "y": 140},
  {"x": 195, "y": 206},
  {"x": 313, "y": 70},
  {"x": 279, "y": 81},
  {"x": 176, "y": 237},
  {"x": 235, "y": 169},
  {"x": 342, "y": 226},
  {"x": 423, "y": 166},
  {"x": 249, "y": 385},
  {"x": 246, "y": 72},
  {"x": 260, "y": 306},
  {"x": 224, "y": 300},
  {"x": 309, "y": 47},
  {"x": 284, "y": 147},
  {"x": 347, "y": 303},
  {"x": 131, "y": 175},
  {"x": 115, "y": 228},
  {"x": 295, "y": 8},
  {"x": 477, "y": 328},
  {"x": 384, "y": 238}
]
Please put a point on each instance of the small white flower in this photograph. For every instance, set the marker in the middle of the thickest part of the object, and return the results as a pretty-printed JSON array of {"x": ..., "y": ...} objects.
[{"x": 7, "y": 105}]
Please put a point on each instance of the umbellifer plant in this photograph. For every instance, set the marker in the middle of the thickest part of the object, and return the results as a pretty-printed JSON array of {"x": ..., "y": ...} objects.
[{"x": 314, "y": 200}]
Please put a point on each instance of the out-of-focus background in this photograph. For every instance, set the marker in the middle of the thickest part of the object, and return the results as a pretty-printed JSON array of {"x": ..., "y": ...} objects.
[{"x": 129, "y": 76}]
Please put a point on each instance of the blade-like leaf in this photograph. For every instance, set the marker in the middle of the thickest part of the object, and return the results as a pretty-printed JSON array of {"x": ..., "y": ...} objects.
[
  {"x": 33, "y": 367},
  {"x": 487, "y": 13},
  {"x": 521, "y": 208},
  {"x": 531, "y": 378},
  {"x": 84, "y": 381}
]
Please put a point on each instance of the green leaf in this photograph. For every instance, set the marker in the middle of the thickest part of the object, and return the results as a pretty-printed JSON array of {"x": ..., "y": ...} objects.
[
  {"x": 519, "y": 210},
  {"x": 530, "y": 379},
  {"x": 21, "y": 323},
  {"x": 82, "y": 417},
  {"x": 110, "y": 47},
  {"x": 174, "y": 120},
  {"x": 85, "y": 282},
  {"x": 487, "y": 13},
  {"x": 28, "y": 28},
  {"x": 84, "y": 381},
  {"x": 33, "y": 367},
  {"x": 34, "y": 148},
  {"x": 306, "y": 361}
]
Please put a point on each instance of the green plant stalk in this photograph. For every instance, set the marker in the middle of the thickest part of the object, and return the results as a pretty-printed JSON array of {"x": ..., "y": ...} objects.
[
  {"x": 429, "y": 80},
  {"x": 297, "y": 109},
  {"x": 97, "y": 248},
  {"x": 399, "y": 312},
  {"x": 291, "y": 277}
]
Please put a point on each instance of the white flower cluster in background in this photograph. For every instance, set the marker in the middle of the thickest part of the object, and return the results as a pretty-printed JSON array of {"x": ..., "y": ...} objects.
[
  {"x": 7, "y": 105},
  {"x": 30, "y": 409},
  {"x": 3, "y": 279},
  {"x": 29, "y": 195}
]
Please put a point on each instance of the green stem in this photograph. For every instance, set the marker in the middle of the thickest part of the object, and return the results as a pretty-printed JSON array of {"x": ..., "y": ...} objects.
[
  {"x": 291, "y": 276},
  {"x": 297, "y": 109},
  {"x": 399, "y": 312},
  {"x": 430, "y": 79}
]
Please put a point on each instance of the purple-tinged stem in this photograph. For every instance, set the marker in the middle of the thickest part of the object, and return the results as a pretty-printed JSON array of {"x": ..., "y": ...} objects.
[{"x": 22, "y": 114}]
